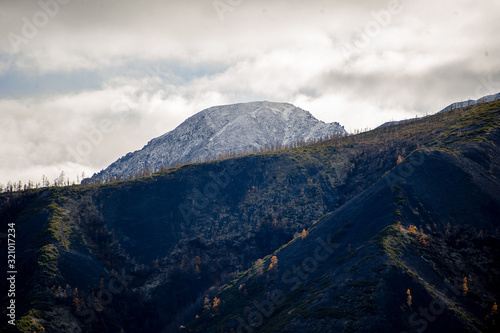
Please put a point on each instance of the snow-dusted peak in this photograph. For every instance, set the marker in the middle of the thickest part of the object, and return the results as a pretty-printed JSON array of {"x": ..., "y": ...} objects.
[{"x": 222, "y": 129}]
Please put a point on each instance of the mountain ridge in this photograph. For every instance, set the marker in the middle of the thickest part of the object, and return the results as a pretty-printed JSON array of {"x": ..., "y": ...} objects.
[{"x": 456, "y": 105}]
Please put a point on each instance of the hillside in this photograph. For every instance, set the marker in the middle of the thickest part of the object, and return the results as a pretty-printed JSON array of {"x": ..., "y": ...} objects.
[
  {"x": 452, "y": 106},
  {"x": 223, "y": 131},
  {"x": 154, "y": 253},
  {"x": 432, "y": 234}
]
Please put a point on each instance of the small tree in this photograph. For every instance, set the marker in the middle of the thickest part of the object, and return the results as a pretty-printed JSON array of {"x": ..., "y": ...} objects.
[
  {"x": 59, "y": 181},
  {"x": 216, "y": 303},
  {"x": 304, "y": 233},
  {"x": 400, "y": 159},
  {"x": 408, "y": 298},
  {"x": 274, "y": 263},
  {"x": 197, "y": 260},
  {"x": 259, "y": 267},
  {"x": 206, "y": 304}
]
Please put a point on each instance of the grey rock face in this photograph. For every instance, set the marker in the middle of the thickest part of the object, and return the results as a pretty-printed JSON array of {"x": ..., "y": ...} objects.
[{"x": 218, "y": 130}]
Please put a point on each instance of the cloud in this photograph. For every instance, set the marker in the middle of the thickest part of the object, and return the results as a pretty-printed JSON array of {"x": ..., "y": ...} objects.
[{"x": 145, "y": 66}]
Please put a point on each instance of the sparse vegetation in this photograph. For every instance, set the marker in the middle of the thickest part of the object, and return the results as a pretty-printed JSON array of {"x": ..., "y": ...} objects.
[{"x": 205, "y": 270}]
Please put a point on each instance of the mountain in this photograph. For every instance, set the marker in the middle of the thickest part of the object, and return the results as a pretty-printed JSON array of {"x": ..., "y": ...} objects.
[
  {"x": 341, "y": 235},
  {"x": 220, "y": 130},
  {"x": 456, "y": 105},
  {"x": 484, "y": 99}
]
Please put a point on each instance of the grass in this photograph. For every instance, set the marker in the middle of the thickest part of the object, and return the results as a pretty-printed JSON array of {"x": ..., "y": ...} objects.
[
  {"x": 59, "y": 225},
  {"x": 27, "y": 324}
]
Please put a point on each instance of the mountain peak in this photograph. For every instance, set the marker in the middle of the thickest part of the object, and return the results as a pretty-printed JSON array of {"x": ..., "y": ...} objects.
[{"x": 218, "y": 130}]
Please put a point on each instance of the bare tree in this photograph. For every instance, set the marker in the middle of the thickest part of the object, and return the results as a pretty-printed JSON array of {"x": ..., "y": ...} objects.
[{"x": 59, "y": 181}]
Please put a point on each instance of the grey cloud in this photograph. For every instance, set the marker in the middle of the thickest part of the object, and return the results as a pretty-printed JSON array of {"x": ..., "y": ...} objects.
[{"x": 151, "y": 64}]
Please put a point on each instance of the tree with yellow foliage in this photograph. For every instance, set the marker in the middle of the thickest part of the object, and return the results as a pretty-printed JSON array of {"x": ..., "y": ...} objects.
[
  {"x": 216, "y": 303},
  {"x": 408, "y": 298},
  {"x": 274, "y": 263},
  {"x": 77, "y": 302},
  {"x": 304, "y": 233},
  {"x": 422, "y": 240}
]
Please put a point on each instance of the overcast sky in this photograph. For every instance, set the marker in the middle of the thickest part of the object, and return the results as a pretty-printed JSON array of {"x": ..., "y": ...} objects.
[{"x": 84, "y": 82}]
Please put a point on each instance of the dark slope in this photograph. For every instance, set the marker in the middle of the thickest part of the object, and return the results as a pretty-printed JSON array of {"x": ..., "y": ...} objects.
[
  {"x": 159, "y": 245},
  {"x": 227, "y": 213},
  {"x": 424, "y": 232}
]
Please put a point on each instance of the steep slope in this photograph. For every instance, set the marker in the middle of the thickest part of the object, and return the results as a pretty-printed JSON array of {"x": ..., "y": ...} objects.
[
  {"x": 152, "y": 229},
  {"x": 221, "y": 130},
  {"x": 416, "y": 251},
  {"x": 144, "y": 254}
]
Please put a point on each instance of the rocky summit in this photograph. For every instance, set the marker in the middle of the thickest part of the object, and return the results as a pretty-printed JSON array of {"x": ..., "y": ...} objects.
[{"x": 224, "y": 130}]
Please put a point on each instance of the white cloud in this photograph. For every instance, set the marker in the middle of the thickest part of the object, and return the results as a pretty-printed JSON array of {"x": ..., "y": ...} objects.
[{"x": 162, "y": 61}]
